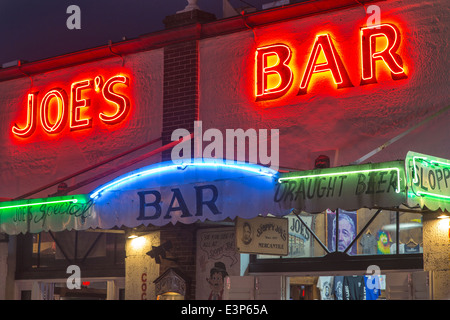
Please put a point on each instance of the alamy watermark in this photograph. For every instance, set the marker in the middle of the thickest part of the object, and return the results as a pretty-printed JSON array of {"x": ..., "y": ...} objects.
[
  {"x": 252, "y": 145},
  {"x": 74, "y": 20},
  {"x": 375, "y": 16}
]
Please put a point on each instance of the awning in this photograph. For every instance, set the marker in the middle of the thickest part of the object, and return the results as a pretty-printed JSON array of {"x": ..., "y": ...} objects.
[
  {"x": 154, "y": 195},
  {"x": 419, "y": 182},
  {"x": 215, "y": 190},
  {"x": 347, "y": 187}
]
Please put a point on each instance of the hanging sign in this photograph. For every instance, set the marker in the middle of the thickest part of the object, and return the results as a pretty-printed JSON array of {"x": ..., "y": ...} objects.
[
  {"x": 347, "y": 187},
  {"x": 54, "y": 213},
  {"x": 154, "y": 195},
  {"x": 262, "y": 235},
  {"x": 428, "y": 181},
  {"x": 159, "y": 195}
]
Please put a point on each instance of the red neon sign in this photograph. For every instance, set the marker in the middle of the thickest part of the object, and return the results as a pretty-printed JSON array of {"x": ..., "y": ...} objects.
[
  {"x": 56, "y": 109},
  {"x": 281, "y": 69},
  {"x": 388, "y": 55},
  {"x": 333, "y": 65},
  {"x": 77, "y": 103},
  {"x": 61, "y": 98}
]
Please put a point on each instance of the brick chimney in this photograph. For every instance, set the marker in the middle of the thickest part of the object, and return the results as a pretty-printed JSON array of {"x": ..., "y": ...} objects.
[{"x": 180, "y": 96}]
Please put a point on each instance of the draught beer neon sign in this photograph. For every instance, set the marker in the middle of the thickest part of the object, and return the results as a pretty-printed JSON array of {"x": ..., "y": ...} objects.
[
  {"x": 56, "y": 108},
  {"x": 280, "y": 55}
]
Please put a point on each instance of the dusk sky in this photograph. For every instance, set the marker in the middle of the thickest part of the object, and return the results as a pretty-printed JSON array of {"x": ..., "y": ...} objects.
[{"x": 36, "y": 29}]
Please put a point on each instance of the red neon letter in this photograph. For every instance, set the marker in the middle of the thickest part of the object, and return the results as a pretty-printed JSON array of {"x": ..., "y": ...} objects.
[
  {"x": 76, "y": 123},
  {"x": 333, "y": 64},
  {"x": 31, "y": 118},
  {"x": 61, "y": 119},
  {"x": 123, "y": 104},
  {"x": 281, "y": 69},
  {"x": 369, "y": 56}
]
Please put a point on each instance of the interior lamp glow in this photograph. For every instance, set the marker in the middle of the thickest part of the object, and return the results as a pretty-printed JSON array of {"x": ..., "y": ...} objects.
[{"x": 267, "y": 172}]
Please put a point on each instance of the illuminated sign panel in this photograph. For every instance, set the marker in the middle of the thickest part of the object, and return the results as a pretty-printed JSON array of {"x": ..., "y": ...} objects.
[
  {"x": 428, "y": 181},
  {"x": 333, "y": 64},
  {"x": 273, "y": 61},
  {"x": 55, "y": 109},
  {"x": 349, "y": 187},
  {"x": 280, "y": 69}
]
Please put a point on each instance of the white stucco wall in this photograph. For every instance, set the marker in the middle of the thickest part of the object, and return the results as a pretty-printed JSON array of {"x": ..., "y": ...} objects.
[
  {"x": 27, "y": 164},
  {"x": 352, "y": 121}
]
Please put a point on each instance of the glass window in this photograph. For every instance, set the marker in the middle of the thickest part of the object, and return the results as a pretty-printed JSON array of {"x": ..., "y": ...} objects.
[
  {"x": 360, "y": 232},
  {"x": 375, "y": 236},
  {"x": 52, "y": 249},
  {"x": 410, "y": 233}
]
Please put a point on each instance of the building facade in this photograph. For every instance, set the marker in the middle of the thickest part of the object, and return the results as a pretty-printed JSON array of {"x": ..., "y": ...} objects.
[{"x": 303, "y": 80}]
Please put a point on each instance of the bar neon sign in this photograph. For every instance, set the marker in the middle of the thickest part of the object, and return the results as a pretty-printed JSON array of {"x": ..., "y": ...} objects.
[
  {"x": 56, "y": 108},
  {"x": 333, "y": 65},
  {"x": 203, "y": 163}
]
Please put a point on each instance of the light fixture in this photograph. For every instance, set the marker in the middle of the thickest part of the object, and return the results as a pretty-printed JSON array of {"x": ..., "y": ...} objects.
[
  {"x": 444, "y": 216},
  {"x": 132, "y": 234}
]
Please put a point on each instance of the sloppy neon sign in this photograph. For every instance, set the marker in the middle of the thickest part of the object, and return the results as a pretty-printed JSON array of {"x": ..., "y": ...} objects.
[
  {"x": 333, "y": 65},
  {"x": 69, "y": 108}
]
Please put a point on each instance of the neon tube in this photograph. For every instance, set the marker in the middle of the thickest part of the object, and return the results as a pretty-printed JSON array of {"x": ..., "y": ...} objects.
[
  {"x": 397, "y": 190},
  {"x": 434, "y": 195},
  {"x": 38, "y": 203},
  {"x": 416, "y": 179},
  {"x": 181, "y": 166}
]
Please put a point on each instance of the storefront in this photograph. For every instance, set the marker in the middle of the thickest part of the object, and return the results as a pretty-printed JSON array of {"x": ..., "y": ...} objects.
[{"x": 113, "y": 172}]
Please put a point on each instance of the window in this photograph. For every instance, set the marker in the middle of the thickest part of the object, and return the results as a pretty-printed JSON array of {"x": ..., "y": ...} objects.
[
  {"x": 100, "y": 253},
  {"x": 361, "y": 232}
]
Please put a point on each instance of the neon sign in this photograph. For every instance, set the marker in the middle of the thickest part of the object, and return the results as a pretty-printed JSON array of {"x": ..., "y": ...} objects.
[
  {"x": 333, "y": 64},
  {"x": 205, "y": 163},
  {"x": 349, "y": 187},
  {"x": 281, "y": 69},
  {"x": 280, "y": 56},
  {"x": 56, "y": 108}
]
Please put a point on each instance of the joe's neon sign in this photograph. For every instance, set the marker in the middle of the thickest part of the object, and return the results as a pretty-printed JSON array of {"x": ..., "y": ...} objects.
[
  {"x": 56, "y": 108},
  {"x": 370, "y": 54}
]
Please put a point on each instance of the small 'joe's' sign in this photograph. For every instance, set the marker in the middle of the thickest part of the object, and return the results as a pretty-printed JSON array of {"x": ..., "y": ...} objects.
[{"x": 262, "y": 235}]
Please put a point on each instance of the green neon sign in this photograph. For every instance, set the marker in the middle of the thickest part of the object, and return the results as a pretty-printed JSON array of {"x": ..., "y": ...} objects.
[
  {"x": 428, "y": 181},
  {"x": 432, "y": 164},
  {"x": 340, "y": 173},
  {"x": 347, "y": 187},
  {"x": 15, "y": 204}
]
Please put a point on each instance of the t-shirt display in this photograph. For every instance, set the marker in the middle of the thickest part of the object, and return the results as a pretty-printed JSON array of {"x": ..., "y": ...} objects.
[
  {"x": 354, "y": 288},
  {"x": 325, "y": 285},
  {"x": 338, "y": 287},
  {"x": 369, "y": 244},
  {"x": 373, "y": 287},
  {"x": 414, "y": 249}
]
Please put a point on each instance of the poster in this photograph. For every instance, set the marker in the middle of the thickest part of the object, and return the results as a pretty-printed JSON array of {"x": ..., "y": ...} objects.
[
  {"x": 347, "y": 230},
  {"x": 217, "y": 258},
  {"x": 300, "y": 240}
]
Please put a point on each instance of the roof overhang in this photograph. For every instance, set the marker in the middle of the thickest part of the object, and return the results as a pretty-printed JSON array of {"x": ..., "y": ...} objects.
[{"x": 216, "y": 190}]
